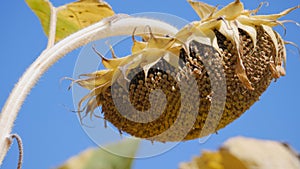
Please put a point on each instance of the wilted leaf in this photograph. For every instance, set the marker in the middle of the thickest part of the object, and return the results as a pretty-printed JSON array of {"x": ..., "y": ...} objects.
[
  {"x": 246, "y": 153},
  {"x": 42, "y": 9},
  {"x": 98, "y": 158},
  {"x": 208, "y": 160},
  {"x": 70, "y": 17}
]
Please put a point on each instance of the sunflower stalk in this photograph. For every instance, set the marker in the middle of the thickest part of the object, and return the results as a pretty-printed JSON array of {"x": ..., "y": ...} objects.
[
  {"x": 114, "y": 26},
  {"x": 52, "y": 26}
]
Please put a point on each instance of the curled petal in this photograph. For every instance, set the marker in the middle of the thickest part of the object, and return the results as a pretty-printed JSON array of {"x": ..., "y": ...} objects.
[
  {"x": 202, "y": 9},
  {"x": 231, "y": 11},
  {"x": 241, "y": 73},
  {"x": 275, "y": 17}
]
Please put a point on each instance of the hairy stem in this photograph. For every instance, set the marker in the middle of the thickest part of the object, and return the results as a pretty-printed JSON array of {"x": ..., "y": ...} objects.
[
  {"x": 52, "y": 32},
  {"x": 113, "y": 26}
]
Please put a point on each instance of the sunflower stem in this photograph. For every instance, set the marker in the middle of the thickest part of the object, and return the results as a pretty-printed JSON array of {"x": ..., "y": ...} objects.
[
  {"x": 52, "y": 31},
  {"x": 113, "y": 26}
]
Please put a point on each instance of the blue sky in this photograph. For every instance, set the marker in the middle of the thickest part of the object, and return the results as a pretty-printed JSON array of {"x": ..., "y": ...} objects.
[{"x": 51, "y": 133}]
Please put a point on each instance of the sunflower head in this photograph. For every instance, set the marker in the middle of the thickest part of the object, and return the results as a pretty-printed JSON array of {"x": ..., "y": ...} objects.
[{"x": 232, "y": 47}]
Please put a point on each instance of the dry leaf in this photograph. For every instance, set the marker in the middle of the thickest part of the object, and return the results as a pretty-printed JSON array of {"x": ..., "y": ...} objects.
[{"x": 70, "y": 17}]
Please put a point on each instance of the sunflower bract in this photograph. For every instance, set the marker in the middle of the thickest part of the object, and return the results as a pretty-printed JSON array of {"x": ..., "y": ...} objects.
[{"x": 142, "y": 94}]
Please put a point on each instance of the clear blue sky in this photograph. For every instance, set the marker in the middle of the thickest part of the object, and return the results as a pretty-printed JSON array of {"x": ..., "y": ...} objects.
[{"x": 51, "y": 133}]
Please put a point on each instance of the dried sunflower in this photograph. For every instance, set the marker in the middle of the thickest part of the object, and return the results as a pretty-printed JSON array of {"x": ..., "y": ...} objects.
[{"x": 225, "y": 61}]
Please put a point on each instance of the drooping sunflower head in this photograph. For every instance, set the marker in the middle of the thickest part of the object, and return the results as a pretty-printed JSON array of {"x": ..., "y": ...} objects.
[{"x": 226, "y": 61}]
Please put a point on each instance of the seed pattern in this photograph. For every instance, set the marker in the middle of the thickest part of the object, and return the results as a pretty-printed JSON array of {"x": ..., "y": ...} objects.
[
  {"x": 238, "y": 98},
  {"x": 203, "y": 89}
]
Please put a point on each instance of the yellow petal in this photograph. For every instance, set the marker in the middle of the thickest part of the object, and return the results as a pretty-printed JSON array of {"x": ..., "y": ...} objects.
[
  {"x": 172, "y": 59},
  {"x": 91, "y": 105},
  {"x": 250, "y": 29},
  {"x": 96, "y": 73},
  {"x": 231, "y": 11},
  {"x": 175, "y": 48},
  {"x": 148, "y": 64},
  {"x": 254, "y": 11},
  {"x": 213, "y": 39},
  {"x": 283, "y": 57},
  {"x": 231, "y": 32},
  {"x": 138, "y": 46},
  {"x": 272, "y": 35},
  {"x": 160, "y": 42},
  {"x": 227, "y": 29},
  {"x": 113, "y": 63},
  {"x": 275, "y": 17},
  {"x": 202, "y": 9},
  {"x": 274, "y": 71},
  {"x": 100, "y": 79},
  {"x": 280, "y": 70},
  {"x": 257, "y": 21},
  {"x": 201, "y": 32},
  {"x": 241, "y": 73},
  {"x": 110, "y": 63},
  {"x": 240, "y": 68}
]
